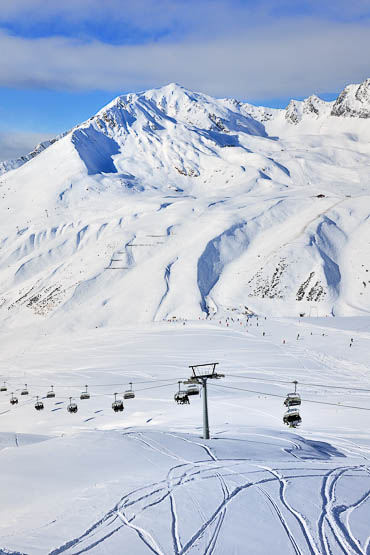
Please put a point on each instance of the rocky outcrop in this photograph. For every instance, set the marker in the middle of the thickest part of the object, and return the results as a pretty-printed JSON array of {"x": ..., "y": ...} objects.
[
  {"x": 353, "y": 101},
  {"x": 313, "y": 106}
]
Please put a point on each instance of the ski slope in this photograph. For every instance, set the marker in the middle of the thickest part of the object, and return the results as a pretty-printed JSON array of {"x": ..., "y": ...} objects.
[{"x": 144, "y": 481}]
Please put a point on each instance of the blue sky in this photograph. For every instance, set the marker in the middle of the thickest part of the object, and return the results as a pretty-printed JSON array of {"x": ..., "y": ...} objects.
[{"x": 64, "y": 60}]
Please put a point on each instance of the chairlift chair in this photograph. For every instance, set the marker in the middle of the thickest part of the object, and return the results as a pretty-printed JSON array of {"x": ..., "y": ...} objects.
[
  {"x": 117, "y": 404},
  {"x": 85, "y": 394},
  {"x": 181, "y": 397},
  {"x": 13, "y": 400},
  {"x": 129, "y": 394},
  {"x": 72, "y": 407},
  {"x": 292, "y": 418},
  {"x": 25, "y": 390},
  {"x": 3, "y": 387},
  {"x": 51, "y": 394},
  {"x": 39, "y": 405},
  {"x": 192, "y": 389},
  {"x": 293, "y": 399}
]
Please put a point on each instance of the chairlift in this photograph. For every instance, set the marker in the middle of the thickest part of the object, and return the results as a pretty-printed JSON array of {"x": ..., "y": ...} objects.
[
  {"x": 293, "y": 399},
  {"x": 25, "y": 390},
  {"x": 129, "y": 394},
  {"x": 13, "y": 400},
  {"x": 39, "y": 405},
  {"x": 3, "y": 387},
  {"x": 72, "y": 407},
  {"x": 85, "y": 394},
  {"x": 117, "y": 404},
  {"x": 192, "y": 389},
  {"x": 51, "y": 394},
  {"x": 292, "y": 418},
  {"x": 181, "y": 396}
]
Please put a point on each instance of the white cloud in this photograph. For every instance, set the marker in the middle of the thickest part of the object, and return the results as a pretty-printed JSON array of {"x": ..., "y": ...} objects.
[
  {"x": 17, "y": 143},
  {"x": 296, "y": 57}
]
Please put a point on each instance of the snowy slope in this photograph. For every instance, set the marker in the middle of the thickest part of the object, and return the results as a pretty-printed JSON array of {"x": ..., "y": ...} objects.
[
  {"x": 172, "y": 203},
  {"x": 144, "y": 481}
]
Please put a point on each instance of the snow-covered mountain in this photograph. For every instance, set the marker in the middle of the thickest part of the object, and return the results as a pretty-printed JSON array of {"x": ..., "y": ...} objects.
[
  {"x": 354, "y": 101},
  {"x": 172, "y": 203}
]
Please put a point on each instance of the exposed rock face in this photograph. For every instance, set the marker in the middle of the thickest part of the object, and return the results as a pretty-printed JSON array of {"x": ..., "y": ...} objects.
[
  {"x": 312, "y": 106},
  {"x": 293, "y": 112},
  {"x": 353, "y": 102}
]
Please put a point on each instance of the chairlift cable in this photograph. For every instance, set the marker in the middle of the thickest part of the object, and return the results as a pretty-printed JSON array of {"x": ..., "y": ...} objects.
[
  {"x": 300, "y": 383},
  {"x": 78, "y": 386},
  {"x": 283, "y": 397}
]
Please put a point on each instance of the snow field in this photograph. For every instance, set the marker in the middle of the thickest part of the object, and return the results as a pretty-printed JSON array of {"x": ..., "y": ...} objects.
[{"x": 145, "y": 481}]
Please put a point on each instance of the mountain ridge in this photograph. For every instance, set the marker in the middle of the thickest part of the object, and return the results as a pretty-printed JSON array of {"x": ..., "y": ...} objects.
[
  {"x": 353, "y": 101},
  {"x": 171, "y": 203}
]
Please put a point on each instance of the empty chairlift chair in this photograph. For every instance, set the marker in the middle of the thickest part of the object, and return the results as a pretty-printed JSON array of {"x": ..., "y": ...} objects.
[
  {"x": 72, "y": 407},
  {"x": 39, "y": 405},
  {"x": 129, "y": 394},
  {"x": 51, "y": 394},
  {"x": 292, "y": 418},
  {"x": 3, "y": 387},
  {"x": 293, "y": 399},
  {"x": 192, "y": 389},
  {"x": 85, "y": 394},
  {"x": 25, "y": 390},
  {"x": 13, "y": 400},
  {"x": 117, "y": 404}
]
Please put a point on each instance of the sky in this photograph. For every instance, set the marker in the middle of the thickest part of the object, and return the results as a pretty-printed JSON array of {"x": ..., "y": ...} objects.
[{"x": 63, "y": 61}]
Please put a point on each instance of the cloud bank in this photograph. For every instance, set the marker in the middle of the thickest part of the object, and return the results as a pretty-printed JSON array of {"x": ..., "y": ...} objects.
[{"x": 298, "y": 57}]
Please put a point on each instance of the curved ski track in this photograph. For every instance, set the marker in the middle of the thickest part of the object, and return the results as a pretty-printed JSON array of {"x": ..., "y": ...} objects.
[{"x": 333, "y": 530}]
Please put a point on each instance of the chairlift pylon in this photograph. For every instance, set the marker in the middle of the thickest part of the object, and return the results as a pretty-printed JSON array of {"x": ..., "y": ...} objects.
[
  {"x": 117, "y": 404},
  {"x": 129, "y": 394},
  {"x": 39, "y": 405},
  {"x": 72, "y": 407},
  {"x": 50, "y": 394},
  {"x": 85, "y": 394}
]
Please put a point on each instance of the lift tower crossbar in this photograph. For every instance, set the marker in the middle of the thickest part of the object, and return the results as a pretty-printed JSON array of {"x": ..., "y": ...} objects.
[{"x": 202, "y": 373}]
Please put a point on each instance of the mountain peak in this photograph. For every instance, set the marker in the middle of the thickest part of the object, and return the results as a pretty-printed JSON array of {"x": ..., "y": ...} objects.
[
  {"x": 353, "y": 101},
  {"x": 312, "y": 106}
]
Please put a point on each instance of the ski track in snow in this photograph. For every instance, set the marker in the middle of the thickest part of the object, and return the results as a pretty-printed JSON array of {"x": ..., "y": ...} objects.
[
  {"x": 329, "y": 516},
  {"x": 138, "y": 501}
]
